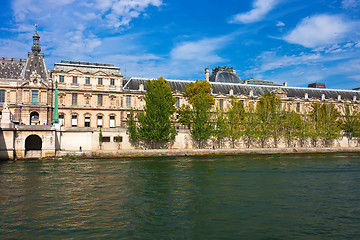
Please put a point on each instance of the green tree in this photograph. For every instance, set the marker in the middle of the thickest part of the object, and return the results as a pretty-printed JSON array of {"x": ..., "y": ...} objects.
[
  {"x": 132, "y": 130},
  {"x": 331, "y": 123},
  {"x": 221, "y": 127},
  {"x": 350, "y": 122},
  {"x": 268, "y": 111},
  {"x": 185, "y": 115},
  {"x": 291, "y": 126},
  {"x": 100, "y": 138},
  {"x": 326, "y": 124},
  {"x": 236, "y": 119},
  {"x": 198, "y": 94},
  {"x": 155, "y": 126},
  {"x": 251, "y": 126}
]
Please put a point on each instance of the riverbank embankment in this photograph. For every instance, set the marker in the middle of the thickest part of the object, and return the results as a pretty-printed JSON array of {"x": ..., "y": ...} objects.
[{"x": 198, "y": 152}]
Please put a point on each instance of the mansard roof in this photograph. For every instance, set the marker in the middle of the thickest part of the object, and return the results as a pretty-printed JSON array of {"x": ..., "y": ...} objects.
[
  {"x": 35, "y": 64},
  {"x": 133, "y": 85},
  {"x": 87, "y": 67},
  {"x": 11, "y": 68}
]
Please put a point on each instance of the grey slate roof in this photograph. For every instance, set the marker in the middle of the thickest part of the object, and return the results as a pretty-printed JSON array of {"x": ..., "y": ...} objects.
[
  {"x": 11, "y": 68},
  {"x": 35, "y": 63},
  {"x": 87, "y": 67},
  {"x": 133, "y": 85}
]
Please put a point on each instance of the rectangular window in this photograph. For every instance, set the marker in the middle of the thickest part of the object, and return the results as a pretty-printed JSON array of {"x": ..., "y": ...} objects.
[
  {"x": 100, "y": 99},
  {"x": 74, "y": 79},
  {"x": 112, "y": 121},
  {"x": 87, "y": 80},
  {"x": 100, "y": 121},
  {"x": 74, "y": 99},
  {"x": 61, "y": 78},
  {"x": 221, "y": 103},
  {"x": 298, "y": 107},
  {"x": 100, "y": 81},
  {"x": 118, "y": 139},
  {"x": 112, "y": 81},
  {"x": 177, "y": 104},
  {"x": 61, "y": 119},
  {"x": 128, "y": 100},
  {"x": 2, "y": 96},
  {"x": 35, "y": 97},
  {"x": 87, "y": 121},
  {"x": 74, "y": 120}
]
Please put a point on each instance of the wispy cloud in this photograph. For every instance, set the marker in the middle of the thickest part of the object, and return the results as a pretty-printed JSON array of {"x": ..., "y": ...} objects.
[
  {"x": 349, "y": 4},
  {"x": 259, "y": 11},
  {"x": 320, "y": 30},
  {"x": 203, "y": 50}
]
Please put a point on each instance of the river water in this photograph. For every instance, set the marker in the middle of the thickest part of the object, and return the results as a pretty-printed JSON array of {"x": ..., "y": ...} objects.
[{"x": 300, "y": 196}]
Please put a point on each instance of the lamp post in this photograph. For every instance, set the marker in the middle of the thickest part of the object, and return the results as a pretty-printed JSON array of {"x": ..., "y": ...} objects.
[{"x": 56, "y": 110}]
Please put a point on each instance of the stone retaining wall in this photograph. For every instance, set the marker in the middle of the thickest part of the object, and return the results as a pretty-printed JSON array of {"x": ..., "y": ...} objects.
[{"x": 198, "y": 152}]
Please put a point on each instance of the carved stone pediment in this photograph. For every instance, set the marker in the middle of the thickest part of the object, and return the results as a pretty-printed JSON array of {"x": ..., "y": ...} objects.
[
  {"x": 100, "y": 73},
  {"x": 281, "y": 92}
]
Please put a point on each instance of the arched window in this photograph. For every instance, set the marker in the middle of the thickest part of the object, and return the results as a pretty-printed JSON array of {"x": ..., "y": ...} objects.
[
  {"x": 74, "y": 122},
  {"x": 112, "y": 121},
  {"x": 34, "y": 118},
  {"x": 99, "y": 121},
  {"x": 87, "y": 120},
  {"x": 61, "y": 119}
]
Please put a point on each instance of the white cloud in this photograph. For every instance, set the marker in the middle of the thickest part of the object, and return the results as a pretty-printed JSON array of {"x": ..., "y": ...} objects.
[
  {"x": 348, "y": 4},
  {"x": 271, "y": 61},
  {"x": 200, "y": 51},
  {"x": 280, "y": 24},
  {"x": 260, "y": 9},
  {"x": 320, "y": 30}
]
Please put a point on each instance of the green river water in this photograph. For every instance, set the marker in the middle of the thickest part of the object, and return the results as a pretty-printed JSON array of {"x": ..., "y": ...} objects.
[{"x": 300, "y": 196}]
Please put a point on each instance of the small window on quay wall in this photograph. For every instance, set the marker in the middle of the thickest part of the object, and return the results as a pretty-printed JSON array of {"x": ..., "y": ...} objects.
[
  {"x": 118, "y": 139},
  {"x": 106, "y": 139}
]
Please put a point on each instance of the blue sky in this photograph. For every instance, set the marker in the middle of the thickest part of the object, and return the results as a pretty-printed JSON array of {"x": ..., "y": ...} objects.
[{"x": 294, "y": 41}]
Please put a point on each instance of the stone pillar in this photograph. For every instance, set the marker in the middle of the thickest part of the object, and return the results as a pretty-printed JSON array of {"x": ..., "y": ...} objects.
[
  {"x": 207, "y": 74},
  {"x": 6, "y": 117}
]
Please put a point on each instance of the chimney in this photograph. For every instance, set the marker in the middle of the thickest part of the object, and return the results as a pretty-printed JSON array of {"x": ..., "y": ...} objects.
[
  {"x": 251, "y": 94},
  {"x": 207, "y": 74},
  {"x": 285, "y": 84},
  {"x": 339, "y": 98},
  {"x": 231, "y": 92},
  {"x": 246, "y": 82},
  {"x": 354, "y": 98},
  {"x": 322, "y": 97},
  {"x": 306, "y": 96}
]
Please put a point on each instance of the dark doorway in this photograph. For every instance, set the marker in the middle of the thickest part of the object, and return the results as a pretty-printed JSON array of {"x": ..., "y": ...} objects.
[
  {"x": 33, "y": 142},
  {"x": 34, "y": 118}
]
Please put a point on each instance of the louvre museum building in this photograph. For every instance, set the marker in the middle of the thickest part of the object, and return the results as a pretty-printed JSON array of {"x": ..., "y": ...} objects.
[{"x": 94, "y": 96}]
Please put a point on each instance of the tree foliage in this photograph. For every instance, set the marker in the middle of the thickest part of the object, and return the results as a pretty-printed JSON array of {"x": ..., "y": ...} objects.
[
  {"x": 155, "y": 126},
  {"x": 268, "y": 111},
  {"x": 198, "y": 94},
  {"x": 236, "y": 120},
  {"x": 221, "y": 127},
  {"x": 350, "y": 122}
]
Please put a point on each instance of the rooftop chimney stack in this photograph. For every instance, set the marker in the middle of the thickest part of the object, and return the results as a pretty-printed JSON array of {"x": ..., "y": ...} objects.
[
  {"x": 207, "y": 74},
  {"x": 285, "y": 84}
]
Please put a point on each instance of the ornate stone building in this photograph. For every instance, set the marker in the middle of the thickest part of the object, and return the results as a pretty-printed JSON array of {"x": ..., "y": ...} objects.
[
  {"x": 26, "y": 86},
  {"x": 94, "y": 95}
]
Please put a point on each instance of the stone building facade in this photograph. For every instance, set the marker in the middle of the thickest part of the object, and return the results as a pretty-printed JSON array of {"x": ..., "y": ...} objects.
[{"x": 94, "y": 96}]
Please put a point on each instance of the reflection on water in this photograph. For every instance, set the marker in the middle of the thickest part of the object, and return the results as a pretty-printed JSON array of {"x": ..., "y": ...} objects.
[{"x": 229, "y": 197}]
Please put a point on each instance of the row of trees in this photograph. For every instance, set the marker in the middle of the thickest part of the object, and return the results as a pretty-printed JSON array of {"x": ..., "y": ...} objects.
[{"x": 264, "y": 124}]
